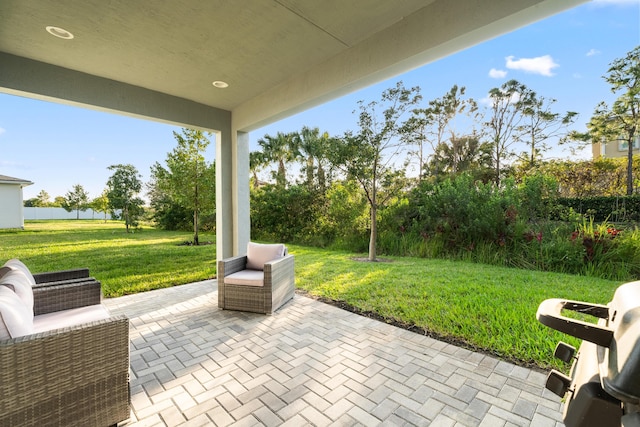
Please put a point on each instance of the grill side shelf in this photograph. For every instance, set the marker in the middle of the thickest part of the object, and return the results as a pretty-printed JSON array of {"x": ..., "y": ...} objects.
[{"x": 550, "y": 314}]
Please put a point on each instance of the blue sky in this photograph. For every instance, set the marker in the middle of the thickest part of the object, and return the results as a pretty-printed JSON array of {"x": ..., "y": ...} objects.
[{"x": 563, "y": 57}]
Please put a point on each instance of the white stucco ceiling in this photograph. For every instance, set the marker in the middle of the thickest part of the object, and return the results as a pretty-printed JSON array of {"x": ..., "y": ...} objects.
[{"x": 278, "y": 56}]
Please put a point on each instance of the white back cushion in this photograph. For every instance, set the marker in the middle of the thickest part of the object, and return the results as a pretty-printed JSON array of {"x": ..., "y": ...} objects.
[
  {"x": 16, "y": 264},
  {"x": 18, "y": 281},
  {"x": 15, "y": 319},
  {"x": 258, "y": 254}
]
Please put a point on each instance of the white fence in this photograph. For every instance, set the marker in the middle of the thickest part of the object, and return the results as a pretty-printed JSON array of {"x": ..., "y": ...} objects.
[{"x": 60, "y": 213}]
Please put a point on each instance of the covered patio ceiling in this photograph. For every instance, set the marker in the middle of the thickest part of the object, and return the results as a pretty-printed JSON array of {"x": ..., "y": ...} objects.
[{"x": 159, "y": 59}]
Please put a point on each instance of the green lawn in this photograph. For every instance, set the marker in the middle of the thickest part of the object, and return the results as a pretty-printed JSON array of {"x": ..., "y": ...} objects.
[
  {"x": 124, "y": 263},
  {"x": 485, "y": 307}
]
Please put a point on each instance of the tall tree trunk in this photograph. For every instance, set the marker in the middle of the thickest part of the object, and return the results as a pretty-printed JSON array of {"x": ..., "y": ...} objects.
[
  {"x": 374, "y": 220},
  {"x": 630, "y": 167},
  {"x": 533, "y": 152},
  {"x": 497, "y": 166},
  {"x": 321, "y": 176},
  {"x": 310, "y": 164},
  {"x": 374, "y": 234},
  {"x": 281, "y": 180},
  {"x": 196, "y": 240}
]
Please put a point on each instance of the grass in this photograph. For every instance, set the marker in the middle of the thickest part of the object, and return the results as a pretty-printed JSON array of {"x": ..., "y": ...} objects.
[
  {"x": 124, "y": 263},
  {"x": 484, "y": 307},
  {"x": 488, "y": 308}
]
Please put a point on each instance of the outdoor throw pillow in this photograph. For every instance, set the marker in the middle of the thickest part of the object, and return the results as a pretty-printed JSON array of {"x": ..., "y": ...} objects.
[
  {"x": 15, "y": 319},
  {"x": 16, "y": 264},
  {"x": 258, "y": 254},
  {"x": 20, "y": 284}
]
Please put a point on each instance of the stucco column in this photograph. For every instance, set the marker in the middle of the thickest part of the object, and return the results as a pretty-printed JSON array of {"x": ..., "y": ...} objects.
[
  {"x": 232, "y": 193},
  {"x": 242, "y": 225}
]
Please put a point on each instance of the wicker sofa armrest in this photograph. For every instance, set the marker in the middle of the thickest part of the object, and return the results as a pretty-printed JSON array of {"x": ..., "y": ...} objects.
[
  {"x": 47, "y": 299},
  {"x": 57, "y": 276},
  {"x": 231, "y": 265},
  {"x": 71, "y": 376}
]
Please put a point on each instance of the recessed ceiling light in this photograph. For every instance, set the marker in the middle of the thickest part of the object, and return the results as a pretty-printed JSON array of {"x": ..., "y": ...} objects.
[
  {"x": 59, "y": 32},
  {"x": 220, "y": 84}
]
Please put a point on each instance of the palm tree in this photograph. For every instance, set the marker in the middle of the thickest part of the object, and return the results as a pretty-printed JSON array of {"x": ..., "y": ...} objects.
[{"x": 280, "y": 149}]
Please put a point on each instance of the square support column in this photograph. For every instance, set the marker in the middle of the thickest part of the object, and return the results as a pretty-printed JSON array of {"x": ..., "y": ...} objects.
[{"x": 233, "y": 226}]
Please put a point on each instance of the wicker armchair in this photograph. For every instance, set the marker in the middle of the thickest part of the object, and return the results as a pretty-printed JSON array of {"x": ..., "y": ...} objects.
[
  {"x": 77, "y": 375},
  {"x": 276, "y": 287}
]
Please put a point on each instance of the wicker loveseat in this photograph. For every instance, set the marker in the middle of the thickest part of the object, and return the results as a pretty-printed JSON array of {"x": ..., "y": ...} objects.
[
  {"x": 71, "y": 367},
  {"x": 261, "y": 281}
]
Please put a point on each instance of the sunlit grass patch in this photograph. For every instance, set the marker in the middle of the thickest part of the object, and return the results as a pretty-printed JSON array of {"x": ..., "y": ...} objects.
[{"x": 483, "y": 307}]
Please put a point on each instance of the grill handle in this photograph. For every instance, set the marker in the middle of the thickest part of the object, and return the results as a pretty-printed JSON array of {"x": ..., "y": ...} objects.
[{"x": 550, "y": 314}]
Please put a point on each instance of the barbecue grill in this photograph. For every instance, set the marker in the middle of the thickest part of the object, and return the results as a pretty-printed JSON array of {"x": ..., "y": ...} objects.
[{"x": 603, "y": 388}]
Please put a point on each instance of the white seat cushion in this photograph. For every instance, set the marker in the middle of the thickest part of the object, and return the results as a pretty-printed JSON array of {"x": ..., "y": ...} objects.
[
  {"x": 72, "y": 317},
  {"x": 258, "y": 254},
  {"x": 19, "y": 282},
  {"x": 15, "y": 319},
  {"x": 246, "y": 277}
]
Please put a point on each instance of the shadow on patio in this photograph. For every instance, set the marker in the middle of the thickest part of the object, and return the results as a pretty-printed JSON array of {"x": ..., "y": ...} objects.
[{"x": 310, "y": 363}]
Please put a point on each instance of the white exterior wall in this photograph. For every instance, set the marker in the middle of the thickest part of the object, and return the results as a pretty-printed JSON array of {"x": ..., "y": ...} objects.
[
  {"x": 11, "y": 206},
  {"x": 60, "y": 213}
]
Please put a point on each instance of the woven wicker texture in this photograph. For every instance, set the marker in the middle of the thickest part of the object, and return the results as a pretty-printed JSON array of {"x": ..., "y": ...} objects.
[
  {"x": 47, "y": 299},
  {"x": 72, "y": 376},
  {"x": 279, "y": 286},
  {"x": 57, "y": 276}
]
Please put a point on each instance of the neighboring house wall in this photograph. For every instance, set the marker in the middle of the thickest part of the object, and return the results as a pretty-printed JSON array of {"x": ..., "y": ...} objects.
[
  {"x": 60, "y": 213},
  {"x": 614, "y": 149},
  {"x": 11, "y": 206}
]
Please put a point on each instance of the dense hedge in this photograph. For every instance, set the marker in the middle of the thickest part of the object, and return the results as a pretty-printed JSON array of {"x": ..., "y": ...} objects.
[
  {"x": 518, "y": 224},
  {"x": 611, "y": 208}
]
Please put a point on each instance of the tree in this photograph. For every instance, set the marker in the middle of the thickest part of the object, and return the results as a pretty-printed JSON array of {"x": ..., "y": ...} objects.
[
  {"x": 540, "y": 124},
  {"x": 370, "y": 155},
  {"x": 432, "y": 124},
  {"x": 189, "y": 179},
  {"x": 256, "y": 162},
  {"x": 43, "y": 198},
  {"x": 123, "y": 187},
  {"x": 621, "y": 122},
  {"x": 279, "y": 149},
  {"x": 312, "y": 147},
  {"x": 58, "y": 201},
  {"x": 459, "y": 155},
  {"x": 101, "y": 203},
  {"x": 76, "y": 199},
  {"x": 503, "y": 122}
]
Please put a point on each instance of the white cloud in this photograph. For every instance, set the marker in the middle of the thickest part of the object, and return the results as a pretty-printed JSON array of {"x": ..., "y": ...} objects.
[
  {"x": 2, "y": 131},
  {"x": 593, "y": 52},
  {"x": 540, "y": 65},
  {"x": 497, "y": 74},
  {"x": 488, "y": 100}
]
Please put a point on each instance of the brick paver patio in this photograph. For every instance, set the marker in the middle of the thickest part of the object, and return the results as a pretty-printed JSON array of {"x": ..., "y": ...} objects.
[{"x": 310, "y": 363}]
